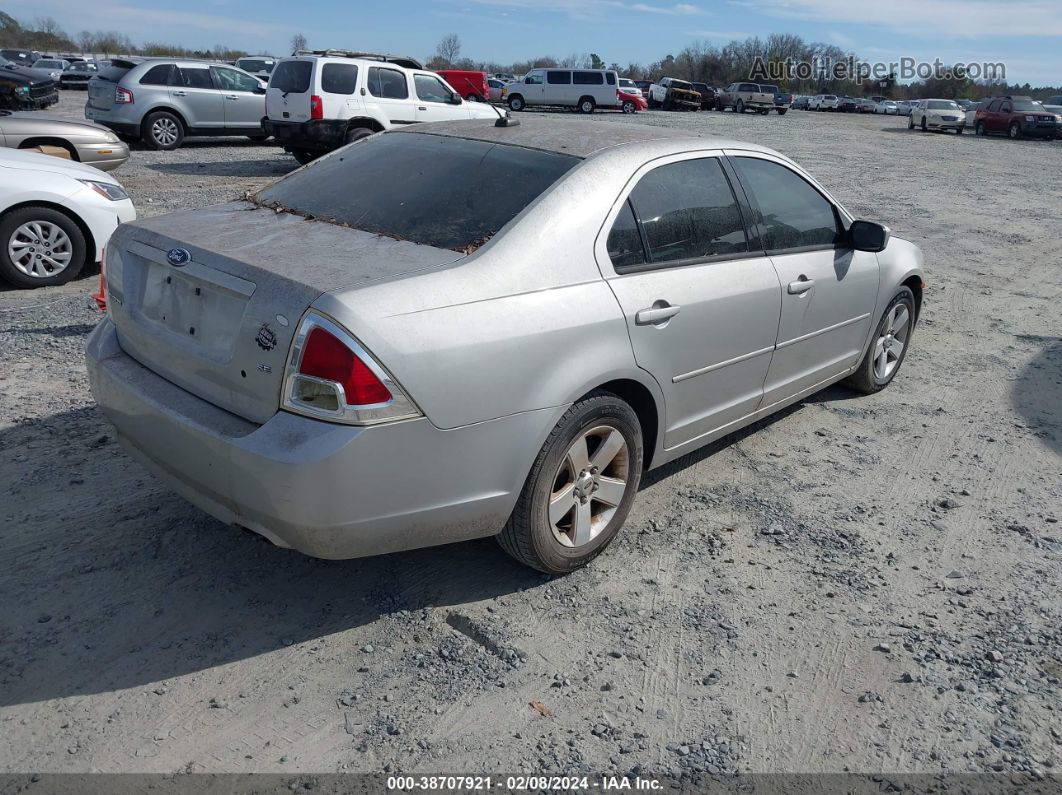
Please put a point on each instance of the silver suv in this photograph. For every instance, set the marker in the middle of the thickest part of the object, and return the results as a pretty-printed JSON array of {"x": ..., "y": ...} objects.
[{"x": 160, "y": 101}]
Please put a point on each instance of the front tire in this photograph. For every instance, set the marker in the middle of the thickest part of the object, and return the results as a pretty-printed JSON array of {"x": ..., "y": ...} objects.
[
  {"x": 910, "y": 122},
  {"x": 925, "y": 128},
  {"x": 628, "y": 107},
  {"x": 979, "y": 129},
  {"x": 163, "y": 131},
  {"x": 739, "y": 107},
  {"x": 889, "y": 347},
  {"x": 1015, "y": 131},
  {"x": 40, "y": 247},
  {"x": 516, "y": 103},
  {"x": 580, "y": 488}
]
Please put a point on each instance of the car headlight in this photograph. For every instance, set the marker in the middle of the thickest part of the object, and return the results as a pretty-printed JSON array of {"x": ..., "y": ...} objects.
[
  {"x": 107, "y": 190},
  {"x": 1030, "y": 118},
  {"x": 111, "y": 138}
]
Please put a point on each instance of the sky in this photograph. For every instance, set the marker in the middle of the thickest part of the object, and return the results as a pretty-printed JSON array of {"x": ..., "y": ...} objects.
[{"x": 1026, "y": 35}]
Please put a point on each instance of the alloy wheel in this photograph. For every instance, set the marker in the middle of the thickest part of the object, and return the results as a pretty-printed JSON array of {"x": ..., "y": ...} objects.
[
  {"x": 164, "y": 131},
  {"x": 890, "y": 344},
  {"x": 40, "y": 249},
  {"x": 589, "y": 485}
]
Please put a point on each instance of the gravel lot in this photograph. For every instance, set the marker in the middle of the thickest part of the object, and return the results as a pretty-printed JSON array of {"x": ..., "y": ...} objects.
[{"x": 861, "y": 583}]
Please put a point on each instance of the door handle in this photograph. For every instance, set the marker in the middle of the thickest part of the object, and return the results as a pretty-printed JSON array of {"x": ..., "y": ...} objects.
[
  {"x": 179, "y": 93},
  {"x": 801, "y": 285},
  {"x": 660, "y": 312},
  {"x": 231, "y": 96},
  {"x": 421, "y": 107}
]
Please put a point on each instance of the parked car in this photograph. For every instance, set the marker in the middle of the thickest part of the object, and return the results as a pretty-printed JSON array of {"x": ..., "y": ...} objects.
[
  {"x": 904, "y": 106},
  {"x": 937, "y": 114},
  {"x": 1053, "y": 105},
  {"x": 160, "y": 101},
  {"x": 670, "y": 93},
  {"x": 471, "y": 85},
  {"x": 827, "y": 102},
  {"x": 887, "y": 107},
  {"x": 801, "y": 103},
  {"x": 23, "y": 88},
  {"x": 865, "y": 105},
  {"x": 78, "y": 74},
  {"x": 745, "y": 96},
  {"x": 318, "y": 102},
  {"x": 628, "y": 86},
  {"x": 782, "y": 100},
  {"x": 261, "y": 66},
  {"x": 644, "y": 86},
  {"x": 498, "y": 89},
  {"x": 53, "y": 66},
  {"x": 707, "y": 95},
  {"x": 966, "y": 104},
  {"x": 582, "y": 89},
  {"x": 847, "y": 104},
  {"x": 21, "y": 57},
  {"x": 80, "y": 141},
  {"x": 449, "y": 333},
  {"x": 1018, "y": 117},
  {"x": 630, "y": 103},
  {"x": 56, "y": 216}
]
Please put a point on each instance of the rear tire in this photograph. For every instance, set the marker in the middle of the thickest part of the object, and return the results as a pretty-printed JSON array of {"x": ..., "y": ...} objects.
[
  {"x": 782, "y": 111},
  {"x": 356, "y": 134},
  {"x": 33, "y": 253},
  {"x": 739, "y": 107},
  {"x": 163, "y": 131},
  {"x": 304, "y": 156},
  {"x": 558, "y": 525},
  {"x": 874, "y": 372},
  {"x": 587, "y": 105}
]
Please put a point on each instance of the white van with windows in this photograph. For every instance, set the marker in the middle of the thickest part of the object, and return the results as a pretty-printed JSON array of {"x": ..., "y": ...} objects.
[
  {"x": 582, "y": 89},
  {"x": 318, "y": 101}
]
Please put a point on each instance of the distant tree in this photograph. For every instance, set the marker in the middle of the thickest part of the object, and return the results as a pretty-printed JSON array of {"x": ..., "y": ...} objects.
[
  {"x": 298, "y": 42},
  {"x": 449, "y": 48},
  {"x": 86, "y": 41},
  {"x": 596, "y": 62}
]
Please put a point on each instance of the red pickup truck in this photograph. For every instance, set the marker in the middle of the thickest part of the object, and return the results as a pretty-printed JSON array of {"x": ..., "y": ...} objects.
[{"x": 470, "y": 85}]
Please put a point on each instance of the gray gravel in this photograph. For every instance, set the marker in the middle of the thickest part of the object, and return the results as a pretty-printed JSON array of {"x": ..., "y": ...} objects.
[{"x": 861, "y": 583}]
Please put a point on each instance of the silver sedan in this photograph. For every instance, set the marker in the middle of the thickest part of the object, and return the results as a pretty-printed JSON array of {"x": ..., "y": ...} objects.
[
  {"x": 463, "y": 329},
  {"x": 82, "y": 142}
]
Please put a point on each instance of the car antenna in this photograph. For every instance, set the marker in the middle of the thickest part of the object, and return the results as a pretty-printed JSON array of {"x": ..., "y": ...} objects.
[{"x": 506, "y": 120}]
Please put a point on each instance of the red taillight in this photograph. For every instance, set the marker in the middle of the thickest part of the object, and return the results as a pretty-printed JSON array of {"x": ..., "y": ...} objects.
[
  {"x": 327, "y": 358},
  {"x": 123, "y": 96},
  {"x": 316, "y": 107},
  {"x": 101, "y": 297}
]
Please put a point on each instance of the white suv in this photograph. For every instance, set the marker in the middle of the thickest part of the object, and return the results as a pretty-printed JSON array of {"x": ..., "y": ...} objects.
[{"x": 318, "y": 101}]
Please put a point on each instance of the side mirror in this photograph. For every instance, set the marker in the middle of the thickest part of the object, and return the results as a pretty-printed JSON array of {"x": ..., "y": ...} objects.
[
  {"x": 868, "y": 236},
  {"x": 259, "y": 89},
  {"x": 455, "y": 99}
]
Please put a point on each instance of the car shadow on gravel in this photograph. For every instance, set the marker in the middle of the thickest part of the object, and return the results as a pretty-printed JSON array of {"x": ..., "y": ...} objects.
[
  {"x": 1037, "y": 392},
  {"x": 112, "y": 582},
  {"x": 229, "y": 168}
]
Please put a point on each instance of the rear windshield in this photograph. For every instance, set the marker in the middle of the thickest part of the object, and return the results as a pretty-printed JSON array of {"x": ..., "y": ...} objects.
[
  {"x": 291, "y": 77},
  {"x": 255, "y": 65},
  {"x": 430, "y": 189},
  {"x": 113, "y": 73}
]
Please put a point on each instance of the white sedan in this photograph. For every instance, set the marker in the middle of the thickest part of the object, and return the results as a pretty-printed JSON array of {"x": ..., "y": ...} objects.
[
  {"x": 887, "y": 107},
  {"x": 56, "y": 216}
]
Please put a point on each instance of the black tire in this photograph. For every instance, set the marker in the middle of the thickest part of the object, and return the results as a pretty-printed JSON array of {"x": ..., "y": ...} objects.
[
  {"x": 304, "y": 156},
  {"x": 925, "y": 128},
  {"x": 666, "y": 104},
  {"x": 258, "y": 139},
  {"x": 516, "y": 103},
  {"x": 781, "y": 111},
  {"x": 865, "y": 379},
  {"x": 78, "y": 247},
  {"x": 628, "y": 107},
  {"x": 356, "y": 134},
  {"x": 910, "y": 122},
  {"x": 163, "y": 131},
  {"x": 528, "y": 535},
  {"x": 652, "y": 103},
  {"x": 739, "y": 107},
  {"x": 473, "y": 98},
  {"x": 587, "y": 105},
  {"x": 1014, "y": 131},
  {"x": 979, "y": 128}
]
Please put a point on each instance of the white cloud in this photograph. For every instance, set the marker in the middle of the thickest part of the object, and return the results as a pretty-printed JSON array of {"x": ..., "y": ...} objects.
[
  {"x": 589, "y": 8},
  {"x": 939, "y": 18},
  {"x": 728, "y": 35}
]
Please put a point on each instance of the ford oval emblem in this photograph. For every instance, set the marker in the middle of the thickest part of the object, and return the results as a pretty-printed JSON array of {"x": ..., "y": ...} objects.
[{"x": 178, "y": 257}]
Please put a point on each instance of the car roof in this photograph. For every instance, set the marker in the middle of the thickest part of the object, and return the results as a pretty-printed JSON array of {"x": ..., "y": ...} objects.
[{"x": 577, "y": 138}]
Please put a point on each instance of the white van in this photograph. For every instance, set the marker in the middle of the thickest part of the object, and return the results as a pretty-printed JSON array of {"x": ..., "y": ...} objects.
[
  {"x": 584, "y": 89},
  {"x": 319, "y": 101}
]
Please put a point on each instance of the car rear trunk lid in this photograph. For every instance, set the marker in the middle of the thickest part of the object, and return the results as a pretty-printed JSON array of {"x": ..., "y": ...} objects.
[{"x": 210, "y": 299}]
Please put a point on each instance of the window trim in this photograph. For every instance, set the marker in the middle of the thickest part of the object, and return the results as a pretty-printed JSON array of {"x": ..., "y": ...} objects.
[
  {"x": 841, "y": 217},
  {"x": 601, "y": 245}
]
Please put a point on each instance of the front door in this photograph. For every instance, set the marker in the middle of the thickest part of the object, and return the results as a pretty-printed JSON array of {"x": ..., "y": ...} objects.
[
  {"x": 701, "y": 308},
  {"x": 435, "y": 102},
  {"x": 828, "y": 290},
  {"x": 197, "y": 98},
  {"x": 244, "y": 108},
  {"x": 532, "y": 89}
]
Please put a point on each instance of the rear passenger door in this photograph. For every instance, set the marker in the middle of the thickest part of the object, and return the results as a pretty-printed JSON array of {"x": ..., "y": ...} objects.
[
  {"x": 198, "y": 99},
  {"x": 701, "y": 305},
  {"x": 828, "y": 291},
  {"x": 559, "y": 89},
  {"x": 244, "y": 108},
  {"x": 389, "y": 89}
]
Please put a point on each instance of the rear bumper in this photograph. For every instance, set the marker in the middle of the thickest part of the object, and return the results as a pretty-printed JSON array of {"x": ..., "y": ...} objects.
[
  {"x": 320, "y": 134},
  {"x": 327, "y": 490}
]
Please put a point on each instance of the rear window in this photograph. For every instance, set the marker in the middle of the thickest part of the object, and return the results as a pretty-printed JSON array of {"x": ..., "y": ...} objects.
[
  {"x": 255, "y": 65},
  {"x": 164, "y": 74},
  {"x": 113, "y": 73},
  {"x": 434, "y": 190},
  {"x": 291, "y": 77}
]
